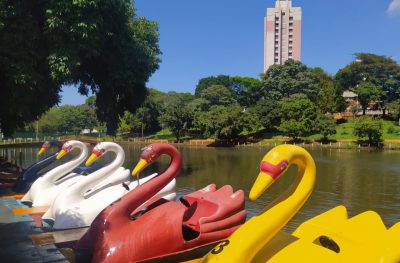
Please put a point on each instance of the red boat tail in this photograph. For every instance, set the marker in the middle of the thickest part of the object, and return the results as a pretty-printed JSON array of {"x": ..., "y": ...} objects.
[{"x": 163, "y": 228}]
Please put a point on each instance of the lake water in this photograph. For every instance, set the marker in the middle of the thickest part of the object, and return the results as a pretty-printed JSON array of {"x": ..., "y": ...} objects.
[{"x": 360, "y": 180}]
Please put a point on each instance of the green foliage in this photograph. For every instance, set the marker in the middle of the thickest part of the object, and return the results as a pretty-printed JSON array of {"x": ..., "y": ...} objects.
[
  {"x": 392, "y": 129},
  {"x": 177, "y": 118},
  {"x": 98, "y": 45},
  {"x": 368, "y": 127},
  {"x": 298, "y": 117},
  {"x": 268, "y": 113},
  {"x": 394, "y": 109},
  {"x": 68, "y": 119},
  {"x": 381, "y": 71},
  {"x": 210, "y": 81},
  {"x": 325, "y": 126},
  {"x": 27, "y": 89},
  {"x": 367, "y": 92},
  {"x": 293, "y": 77},
  {"x": 73, "y": 119},
  {"x": 329, "y": 96},
  {"x": 50, "y": 121},
  {"x": 245, "y": 91},
  {"x": 217, "y": 95},
  {"x": 91, "y": 102},
  {"x": 220, "y": 121}
]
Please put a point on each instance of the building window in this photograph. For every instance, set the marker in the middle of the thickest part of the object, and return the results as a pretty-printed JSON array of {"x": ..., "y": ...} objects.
[
  {"x": 290, "y": 24},
  {"x": 291, "y": 18},
  {"x": 276, "y": 43},
  {"x": 276, "y": 60},
  {"x": 290, "y": 30},
  {"x": 276, "y": 31},
  {"x": 290, "y": 42}
]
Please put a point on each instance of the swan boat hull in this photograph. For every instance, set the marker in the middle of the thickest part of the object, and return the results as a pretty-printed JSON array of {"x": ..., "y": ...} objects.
[
  {"x": 201, "y": 219},
  {"x": 82, "y": 213},
  {"x": 333, "y": 237}
]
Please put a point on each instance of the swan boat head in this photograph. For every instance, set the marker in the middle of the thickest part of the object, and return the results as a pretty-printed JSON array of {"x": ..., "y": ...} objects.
[
  {"x": 97, "y": 152},
  {"x": 47, "y": 145},
  {"x": 149, "y": 155},
  {"x": 250, "y": 238},
  {"x": 79, "y": 204},
  {"x": 45, "y": 188}
]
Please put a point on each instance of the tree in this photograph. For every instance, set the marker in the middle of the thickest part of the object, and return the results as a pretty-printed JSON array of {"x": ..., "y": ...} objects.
[
  {"x": 325, "y": 126},
  {"x": 209, "y": 81},
  {"x": 219, "y": 121},
  {"x": 367, "y": 92},
  {"x": 68, "y": 119},
  {"x": 217, "y": 95},
  {"x": 73, "y": 119},
  {"x": 298, "y": 117},
  {"x": 27, "y": 88},
  {"x": 177, "y": 118},
  {"x": 394, "y": 109},
  {"x": 100, "y": 46},
  {"x": 91, "y": 102},
  {"x": 367, "y": 126},
  {"x": 293, "y": 77},
  {"x": 381, "y": 71},
  {"x": 246, "y": 91},
  {"x": 268, "y": 113},
  {"x": 49, "y": 121},
  {"x": 329, "y": 96}
]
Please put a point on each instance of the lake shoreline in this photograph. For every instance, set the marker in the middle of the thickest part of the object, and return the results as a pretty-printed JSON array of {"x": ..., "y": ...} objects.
[{"x": 338, "y": 144}]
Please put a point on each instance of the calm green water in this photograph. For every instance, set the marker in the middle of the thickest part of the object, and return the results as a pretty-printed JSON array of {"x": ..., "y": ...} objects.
[{"x": 360, "y": 180}]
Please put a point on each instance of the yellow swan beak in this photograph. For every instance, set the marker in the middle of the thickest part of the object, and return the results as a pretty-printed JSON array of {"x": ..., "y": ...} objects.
[
  {"x": 261, "y": 184},
  {"x": 91, "y": 159},
  {"x": 139, "y": 167},
  {"x": 41, "y": 151},
  {"x": 60, "y": 154}
]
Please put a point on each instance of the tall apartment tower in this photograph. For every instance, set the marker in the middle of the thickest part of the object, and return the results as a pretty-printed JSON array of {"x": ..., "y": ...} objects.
[{"x": 282, "y": 33}]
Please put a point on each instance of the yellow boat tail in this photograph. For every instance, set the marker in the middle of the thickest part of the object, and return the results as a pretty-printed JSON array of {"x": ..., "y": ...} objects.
[
  {"x": 329, "y": 237},
  {"x": 243, "y": 245}
]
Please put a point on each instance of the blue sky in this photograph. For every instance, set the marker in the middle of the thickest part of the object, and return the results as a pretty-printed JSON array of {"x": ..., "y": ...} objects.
[{"x": 200, "y": 38}]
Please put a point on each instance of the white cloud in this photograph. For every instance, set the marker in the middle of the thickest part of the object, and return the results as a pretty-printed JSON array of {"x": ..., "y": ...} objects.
[{"x": 394, "y": 7}]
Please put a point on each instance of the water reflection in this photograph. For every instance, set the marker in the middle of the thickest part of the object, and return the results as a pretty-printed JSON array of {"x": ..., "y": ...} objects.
[{"x": 360, "y": 180}]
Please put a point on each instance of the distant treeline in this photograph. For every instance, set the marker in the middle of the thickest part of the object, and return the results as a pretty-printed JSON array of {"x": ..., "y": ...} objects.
[{"x": 291, "y": 99}]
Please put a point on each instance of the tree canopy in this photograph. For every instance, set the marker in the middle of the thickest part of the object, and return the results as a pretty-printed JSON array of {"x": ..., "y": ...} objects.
[
  {"x": 368, "y": 127},
  {"x": 100, "y": 45},
  {"x": 381, "y": 71},
  {"x": 293, "y": 77}
]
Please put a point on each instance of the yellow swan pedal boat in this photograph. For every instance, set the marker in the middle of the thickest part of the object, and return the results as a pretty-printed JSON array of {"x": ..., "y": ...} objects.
[{"x": 329, "y": 237}]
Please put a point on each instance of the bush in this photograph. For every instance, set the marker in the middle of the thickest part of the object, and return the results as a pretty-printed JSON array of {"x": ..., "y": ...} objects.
[
  {"x": 392, "y": 130},
  {"x": 368, "y": 127}
]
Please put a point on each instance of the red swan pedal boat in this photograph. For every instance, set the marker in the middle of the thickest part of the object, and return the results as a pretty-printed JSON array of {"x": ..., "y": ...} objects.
[{"x": 127, "y": 232}]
